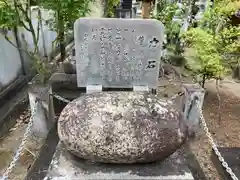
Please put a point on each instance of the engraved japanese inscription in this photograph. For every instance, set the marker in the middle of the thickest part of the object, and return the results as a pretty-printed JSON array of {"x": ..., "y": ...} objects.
[{"x": 118, "y": 53}]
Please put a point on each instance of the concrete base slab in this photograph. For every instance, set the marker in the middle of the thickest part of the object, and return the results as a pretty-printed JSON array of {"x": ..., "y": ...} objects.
[{"x": 65, "y": 166}]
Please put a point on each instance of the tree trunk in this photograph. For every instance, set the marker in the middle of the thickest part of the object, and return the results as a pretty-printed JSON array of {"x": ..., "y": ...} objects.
[
  {"x": 43, "y": 38},
  {"x": 146, "y": 10},
  {"x": 236, "y": 71},
  {"x": 20, "y": 53},
  {"x": 105, "y": 8},
  {"x": 203, "y": 81},
  {"x": 62, "y": 46},
  {"x": 61, "y": 36}
]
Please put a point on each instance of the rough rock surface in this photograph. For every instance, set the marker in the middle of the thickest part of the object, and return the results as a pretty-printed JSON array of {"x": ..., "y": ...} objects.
[{"x": 121, "y": 127}]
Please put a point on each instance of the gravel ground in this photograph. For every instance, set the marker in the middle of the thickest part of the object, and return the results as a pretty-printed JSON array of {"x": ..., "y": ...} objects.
[
  {"x": 224, "y": 124},
  {"x": 10, "y": 143}
]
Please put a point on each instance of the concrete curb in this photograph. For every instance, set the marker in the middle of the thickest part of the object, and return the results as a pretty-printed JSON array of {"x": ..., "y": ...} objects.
[{"x": 39, "y": 168}]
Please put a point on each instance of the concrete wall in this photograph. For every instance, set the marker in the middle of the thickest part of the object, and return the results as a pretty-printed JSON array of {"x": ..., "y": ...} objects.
[{"x": 10, "y": 63}]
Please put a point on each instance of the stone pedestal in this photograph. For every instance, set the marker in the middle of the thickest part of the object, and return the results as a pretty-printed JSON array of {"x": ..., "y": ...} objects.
[
  {"x": 65, "y": 166},
  {"x": 43, "y": 110}
]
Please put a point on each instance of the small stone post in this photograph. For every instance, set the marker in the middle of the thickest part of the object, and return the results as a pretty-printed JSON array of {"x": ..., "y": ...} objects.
[
  {"x": 43, "y": 118},
  {"x": 192, "y": 94}
]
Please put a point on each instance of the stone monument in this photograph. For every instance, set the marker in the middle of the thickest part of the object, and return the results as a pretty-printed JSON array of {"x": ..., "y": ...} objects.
[
  {"x": 118, "y": 53},
  {"x": 106, "y": 134},
  {"x": 121, "y": 127}
]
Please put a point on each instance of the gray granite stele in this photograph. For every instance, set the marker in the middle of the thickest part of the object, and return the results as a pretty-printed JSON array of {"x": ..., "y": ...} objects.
[
  {"x": 65, "y": 166},
  {"x": 118, "y": 53}
]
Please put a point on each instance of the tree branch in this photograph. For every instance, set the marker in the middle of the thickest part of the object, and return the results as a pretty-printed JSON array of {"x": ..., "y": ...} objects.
[
  {"x": 25, "y": 13},
  {"x": 6, "y": 3},
  {"x": 17, "y": 6},
  {"x": 25, "y": 27},
  {"x": 8, "y": 40},
  {"x": 31, "y": 29},
  {"x": 27, "y": 5},
  {"x": 219, "y": 100},
  {"x": 38, "y": 26}
]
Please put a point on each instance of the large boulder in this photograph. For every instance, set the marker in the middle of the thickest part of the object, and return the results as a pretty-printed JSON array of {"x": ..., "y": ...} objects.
[{"x": 121, "y": 127}]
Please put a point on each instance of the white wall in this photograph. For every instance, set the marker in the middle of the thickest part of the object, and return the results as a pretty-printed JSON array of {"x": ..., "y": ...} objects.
[{"x": 10, "y": 63}]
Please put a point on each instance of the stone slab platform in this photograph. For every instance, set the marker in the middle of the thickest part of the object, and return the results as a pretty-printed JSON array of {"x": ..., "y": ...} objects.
[
  {"x": 65, "y": 166},
  {"x": 232, "y": 156}
]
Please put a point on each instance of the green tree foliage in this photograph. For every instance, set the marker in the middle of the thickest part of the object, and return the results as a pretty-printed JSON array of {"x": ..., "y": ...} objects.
[
  {"x": 165, "y": 13},
  {"x": 110, "y": 6},
  {"x": 68, "y": 10},
  {"x": 8, "y": 17},
  {"x": 172, "y": 15},
  {"x": 208, "y": 62},
  {"x": 215, "y": 41},
  {"x": 65, "y": 13}
]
